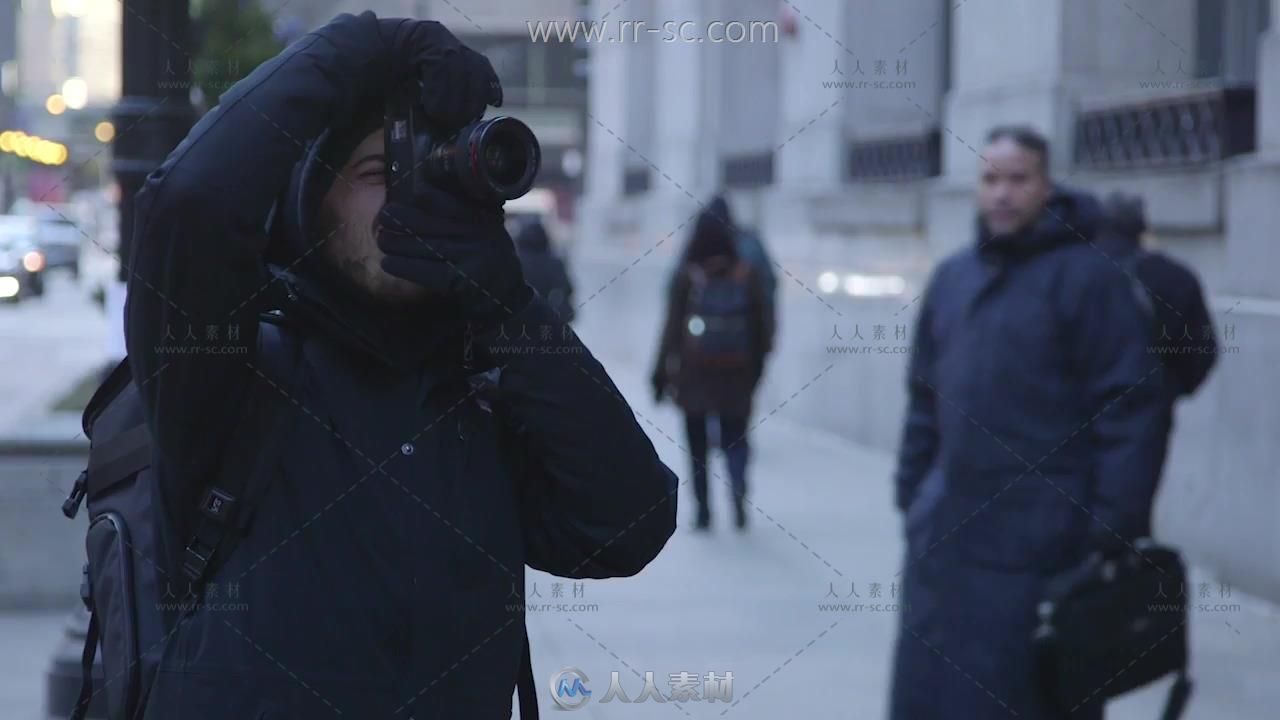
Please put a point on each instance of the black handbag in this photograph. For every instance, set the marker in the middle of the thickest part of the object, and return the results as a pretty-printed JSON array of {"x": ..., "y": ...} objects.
[{"x": 1115, "y": 623}]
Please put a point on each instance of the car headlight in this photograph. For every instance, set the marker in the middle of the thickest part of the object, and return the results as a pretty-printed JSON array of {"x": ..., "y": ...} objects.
[
  {"x": 33, "y": 261},
  {"x": 8, "y": 286}
]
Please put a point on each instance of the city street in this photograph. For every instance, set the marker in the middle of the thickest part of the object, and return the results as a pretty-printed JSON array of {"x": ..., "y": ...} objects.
[{"x": 800, "y": 608}]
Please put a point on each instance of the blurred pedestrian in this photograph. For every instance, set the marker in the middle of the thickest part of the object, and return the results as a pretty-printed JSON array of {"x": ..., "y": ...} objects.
[
  {"x": 718, "y": 332},
  {"x": 544, "y": 269},
  {"x": 751, "y": 248},
  {"x": 1031, "y": 438},
  {"x": 1168, "y": 292},
  {"x": 1170, "y": 296}
]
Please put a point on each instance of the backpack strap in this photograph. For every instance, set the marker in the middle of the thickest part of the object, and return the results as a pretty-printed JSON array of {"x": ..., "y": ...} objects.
[
  {"x": 228, "y": 505},
  {"x": 115, "y": 382},
  {"x": 525, "y": 686},
  {"x": 87, "y": 656},
  {"x": 1179, "y": 694}
]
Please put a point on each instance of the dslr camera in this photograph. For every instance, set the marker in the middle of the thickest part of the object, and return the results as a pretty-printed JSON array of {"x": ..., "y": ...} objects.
[{"x": 489, "y": 161}]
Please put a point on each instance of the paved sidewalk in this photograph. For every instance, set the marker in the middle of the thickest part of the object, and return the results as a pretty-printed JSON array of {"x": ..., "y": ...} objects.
[
  {"x": 750, "y": 604},
  {"x": 50, "y": 344},
  {"x": 821, "y": 522},
  {"x": 27, "y": 642}
]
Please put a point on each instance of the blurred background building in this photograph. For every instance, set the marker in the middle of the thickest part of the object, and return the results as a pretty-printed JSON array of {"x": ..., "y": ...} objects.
[
  {"x": 852, "y": 144},
  {"x": 59, "y": 76}
]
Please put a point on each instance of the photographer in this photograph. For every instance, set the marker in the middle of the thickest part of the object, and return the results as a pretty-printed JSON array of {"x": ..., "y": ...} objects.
[{"x": 421, "y": 448}]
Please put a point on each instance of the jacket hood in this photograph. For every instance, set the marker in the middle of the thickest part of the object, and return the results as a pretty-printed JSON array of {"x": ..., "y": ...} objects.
[
  {"x": 712, "y": 236},
  {"x": 1070, "y": 216}
]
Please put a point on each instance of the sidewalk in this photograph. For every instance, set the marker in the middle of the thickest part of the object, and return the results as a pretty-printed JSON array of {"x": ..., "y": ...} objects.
[
  {"x": 27, "y": 642},
  {"x": 821, "y": 523},
  {"x": 758, "y": 604},
  {"x": 51, "y": 343}
]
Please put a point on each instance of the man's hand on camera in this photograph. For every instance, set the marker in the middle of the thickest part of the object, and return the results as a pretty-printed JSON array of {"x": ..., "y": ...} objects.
[
  {"x": 457, "y": 250},
  {"x": 457, "y": 82}
]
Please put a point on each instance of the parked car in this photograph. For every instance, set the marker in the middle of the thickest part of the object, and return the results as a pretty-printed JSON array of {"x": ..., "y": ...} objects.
[
  {"x": 57, "y": 235},
  {"x": 22, "y": 263},
  {"x": 59, "y": 240}
]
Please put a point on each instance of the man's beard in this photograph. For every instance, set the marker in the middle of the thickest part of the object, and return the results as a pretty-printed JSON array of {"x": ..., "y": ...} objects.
[
  {"x": 353, "y": 257},
  {"x": 366, "y": 274}
]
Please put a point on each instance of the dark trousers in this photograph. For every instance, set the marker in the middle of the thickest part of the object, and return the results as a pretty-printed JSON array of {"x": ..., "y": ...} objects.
[{"x": 732, "y": 439}]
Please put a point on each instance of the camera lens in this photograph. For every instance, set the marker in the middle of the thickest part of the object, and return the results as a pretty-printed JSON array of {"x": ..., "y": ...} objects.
[{"x": 492, "y": 159}]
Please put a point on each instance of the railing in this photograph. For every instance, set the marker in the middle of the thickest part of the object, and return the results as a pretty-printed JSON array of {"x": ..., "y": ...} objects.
[
  {"x": 902, "y": 158},
  {"x": 748, "y": 171},
  {"x": 1180, "y": 131},
  {"x": 635, "y": 180}
]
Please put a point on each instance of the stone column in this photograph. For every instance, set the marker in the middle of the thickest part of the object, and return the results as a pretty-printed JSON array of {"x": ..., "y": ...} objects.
[
  {"x": 607, "y": 105},
  {"x": 811, "y": 121},
  {"x": 679, "y": 123},
  {"x": 1269, "y": 85}
]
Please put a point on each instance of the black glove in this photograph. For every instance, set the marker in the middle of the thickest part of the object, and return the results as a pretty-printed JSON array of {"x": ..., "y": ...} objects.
[
  {"x": 457, "y": 82},
  {"x": 457, "y": 250}
]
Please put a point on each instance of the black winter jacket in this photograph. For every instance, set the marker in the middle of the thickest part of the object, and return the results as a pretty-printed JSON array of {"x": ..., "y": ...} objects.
[{"x": 1033, "y": 397}]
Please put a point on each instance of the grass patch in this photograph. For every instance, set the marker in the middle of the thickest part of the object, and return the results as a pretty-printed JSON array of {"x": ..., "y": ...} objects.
[{"x": 78, "y": 397}]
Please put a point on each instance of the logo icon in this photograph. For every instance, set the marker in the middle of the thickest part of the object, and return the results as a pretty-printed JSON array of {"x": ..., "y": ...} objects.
[{"x": 569, "y": 688}]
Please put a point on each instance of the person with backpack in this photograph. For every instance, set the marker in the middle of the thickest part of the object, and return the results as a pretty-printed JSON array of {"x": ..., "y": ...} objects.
[
  {"x": 717, "y": 334},
  {"x": 315, "y": 485},
  {"x": 545, "y": 270},
  {"x": 751, "y": 249},
  {"x": 1183, "y": 336},
  {"x": 1171, "y": 295}
]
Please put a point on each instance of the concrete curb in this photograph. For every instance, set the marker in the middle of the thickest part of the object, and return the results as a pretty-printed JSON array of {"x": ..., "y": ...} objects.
[
  {"x": 57, "y": 433},
  {"x": 40, "y": 550}
]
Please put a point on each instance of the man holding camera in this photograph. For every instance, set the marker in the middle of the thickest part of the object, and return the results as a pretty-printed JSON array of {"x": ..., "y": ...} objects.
[{"x": 428, "y": 425}]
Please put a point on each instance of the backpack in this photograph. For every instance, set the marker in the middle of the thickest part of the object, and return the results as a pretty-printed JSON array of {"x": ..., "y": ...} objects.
[
  {"x": 718, "y": 318},
  {"x": 751, "y": 249},
  {"x": 1182, "y": 357},
  {"x": 134, "y": 554},
  {"x": 131, "y": 544}
]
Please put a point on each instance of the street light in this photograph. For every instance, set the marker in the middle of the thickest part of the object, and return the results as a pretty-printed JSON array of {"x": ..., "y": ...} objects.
[
  {"x": 55, "y": 104},
  {"x": 67, "y": 8},
  {"x": 104, "y": 131},
  {"x": 75, "y": 91}
]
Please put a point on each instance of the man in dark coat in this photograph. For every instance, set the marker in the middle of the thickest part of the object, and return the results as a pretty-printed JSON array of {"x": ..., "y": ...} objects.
[
  {"x": 721, "y": 387},
  {"x": 545, "y": 270},
  {"x": 1030, "y": 438},
  {"x": 416, "y": 468}
]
